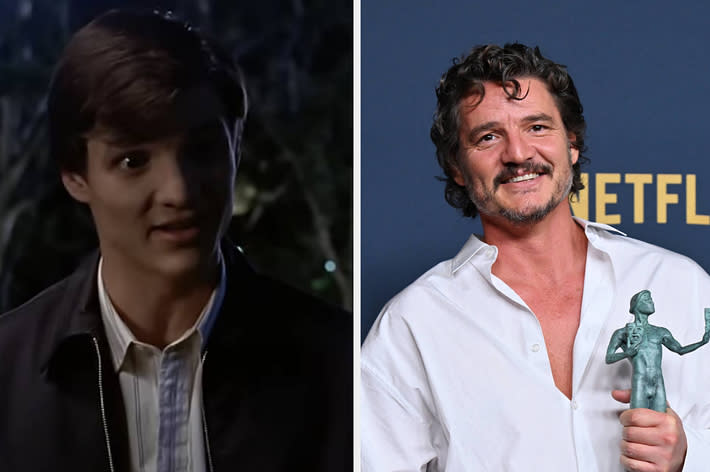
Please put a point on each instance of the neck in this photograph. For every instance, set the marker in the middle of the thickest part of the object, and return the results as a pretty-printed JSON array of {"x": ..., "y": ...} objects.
[
  {"x": 552, "y": 247},
  {"x": 157, "y": 308}
]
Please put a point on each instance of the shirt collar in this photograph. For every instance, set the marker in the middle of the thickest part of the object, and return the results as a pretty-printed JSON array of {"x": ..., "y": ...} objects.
[
  {"x": 590, "y": 227},
  {"x": 120, "y": 337},
  {"x": 475, "y": 247}
]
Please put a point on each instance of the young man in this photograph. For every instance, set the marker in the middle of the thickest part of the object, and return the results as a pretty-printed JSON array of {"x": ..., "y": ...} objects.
[
  {"x": 495, "y": 360},
  {"x": 165, "y": 351}
]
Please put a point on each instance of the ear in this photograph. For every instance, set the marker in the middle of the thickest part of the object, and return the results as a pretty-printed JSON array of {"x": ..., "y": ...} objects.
[
  {"x": 458, "y": 176},
  {"x": 456, "y": 173},
  {"x": 76, "y": 185},
  {"x": 574, "y": 152}
]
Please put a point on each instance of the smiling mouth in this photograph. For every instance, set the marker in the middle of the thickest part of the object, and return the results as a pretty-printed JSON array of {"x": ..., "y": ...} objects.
[
  {"x": 521, "y": 173},
  {"x": 523, "y": 178}
]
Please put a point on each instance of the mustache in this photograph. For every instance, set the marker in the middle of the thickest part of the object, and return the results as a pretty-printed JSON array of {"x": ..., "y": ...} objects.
[{"x": 514, "y": 170}]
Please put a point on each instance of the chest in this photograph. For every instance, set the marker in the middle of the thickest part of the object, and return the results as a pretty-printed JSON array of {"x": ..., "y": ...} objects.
[
  {"x": 557, "y": 308},
  {"x": 54, "y": 420},
  {"x": 490, "y": 369}
]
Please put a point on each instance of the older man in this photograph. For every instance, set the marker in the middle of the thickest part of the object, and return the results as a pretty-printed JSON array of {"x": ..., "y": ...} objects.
[{"x": 494, "y": 360}]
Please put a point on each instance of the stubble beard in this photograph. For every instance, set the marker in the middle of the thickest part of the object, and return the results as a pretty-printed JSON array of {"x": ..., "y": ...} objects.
[{"x": 484, "y": 199}]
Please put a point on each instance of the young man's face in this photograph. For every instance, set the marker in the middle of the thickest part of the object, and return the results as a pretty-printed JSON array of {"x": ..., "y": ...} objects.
[{"x": 162, "y": 206}]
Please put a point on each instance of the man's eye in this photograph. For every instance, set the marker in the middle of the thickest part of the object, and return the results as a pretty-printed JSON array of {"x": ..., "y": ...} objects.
[
  {"x": 538, "y": 127},
  {"x": 486, "y": 137},
  {"x": 133, "y": 160}
]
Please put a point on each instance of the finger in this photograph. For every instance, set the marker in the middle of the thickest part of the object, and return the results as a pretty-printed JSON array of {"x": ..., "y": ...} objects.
[
  {"x": 634, "y": 465},
  {"x": 623, "y": 396},
  {"x": 645, "y": 436},
  {"x": 642, "y": 417},
  {"x": 641, "y": 452}
]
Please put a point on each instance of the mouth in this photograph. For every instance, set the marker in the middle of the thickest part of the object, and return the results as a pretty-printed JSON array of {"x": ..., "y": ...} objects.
[
  {"x": 178, "y": 231},
  {"x": 514, "y": 175},
  {"x": 522, "y": 178},
  {"x": 176, "y": 225}
]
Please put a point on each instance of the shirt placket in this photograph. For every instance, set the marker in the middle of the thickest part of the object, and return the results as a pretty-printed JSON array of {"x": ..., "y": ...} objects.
[
  {"x": 599, "y": 290},
  {"x": 595, "y": 309},
  {"x": 174, "y": 396}
]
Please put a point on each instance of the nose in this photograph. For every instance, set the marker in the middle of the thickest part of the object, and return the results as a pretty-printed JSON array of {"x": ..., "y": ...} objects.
[
  {"x": 518, "y": 149},
  {"x": 176, "y": 185}
]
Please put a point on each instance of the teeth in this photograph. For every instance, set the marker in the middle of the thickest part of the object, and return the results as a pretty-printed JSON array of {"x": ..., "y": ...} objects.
[{"x": 521, "y": 178}]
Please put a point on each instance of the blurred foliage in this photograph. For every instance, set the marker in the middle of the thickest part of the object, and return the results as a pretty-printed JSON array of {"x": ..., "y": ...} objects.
[{"x": 293, "y": 205}]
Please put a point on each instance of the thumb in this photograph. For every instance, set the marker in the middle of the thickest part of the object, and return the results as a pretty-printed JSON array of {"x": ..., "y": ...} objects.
[{"x": 623, "y": 396}]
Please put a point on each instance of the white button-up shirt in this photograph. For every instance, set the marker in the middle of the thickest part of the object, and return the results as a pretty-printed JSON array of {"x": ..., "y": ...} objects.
[
  {"x": 456, "y": 376},
  {"x": 162, "y": 389}
]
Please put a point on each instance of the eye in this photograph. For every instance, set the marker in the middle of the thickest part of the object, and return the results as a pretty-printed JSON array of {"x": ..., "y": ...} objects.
[
  {"x": 486, "y": 140},
  {"x": 133, "y": 160},
  {"x": 538, "y": 127}
]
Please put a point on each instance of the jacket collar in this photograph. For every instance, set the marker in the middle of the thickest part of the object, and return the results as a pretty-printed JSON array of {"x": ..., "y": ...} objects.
[
  {"x": 78, "y": 313},
  {"x": 241, "y": 298}
]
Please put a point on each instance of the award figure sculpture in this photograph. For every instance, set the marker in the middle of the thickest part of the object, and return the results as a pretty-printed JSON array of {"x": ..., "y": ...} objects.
[{"x": 641, "y": 342}]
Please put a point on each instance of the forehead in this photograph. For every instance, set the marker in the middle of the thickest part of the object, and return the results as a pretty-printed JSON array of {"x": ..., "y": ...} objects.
[
  {"x": 190, "y": 110},
  {"x": 498, "y": 104}
]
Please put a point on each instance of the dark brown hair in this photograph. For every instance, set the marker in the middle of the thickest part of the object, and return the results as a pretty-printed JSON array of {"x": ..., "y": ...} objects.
[
  {"x": 123, "y": 72},
  {"x": 492, "y": 63}
]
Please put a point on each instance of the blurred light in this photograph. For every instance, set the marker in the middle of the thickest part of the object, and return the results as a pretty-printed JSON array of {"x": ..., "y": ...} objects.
[
  {"x": 24, "y": 9},
  {"x": 26, "y": 53},
  {"x": 245, "y": 194},
  {"x": 329, "y": 266}
]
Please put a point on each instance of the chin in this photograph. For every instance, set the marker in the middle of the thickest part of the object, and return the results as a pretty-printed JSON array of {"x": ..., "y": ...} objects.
[
  {"x": 524, "y": 215},
  {"x": 183, "y": 263}
]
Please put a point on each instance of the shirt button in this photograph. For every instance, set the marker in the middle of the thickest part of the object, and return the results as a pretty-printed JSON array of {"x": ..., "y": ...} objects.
[
  {"x": 535, "y": 347},
  {"x": 575, "y": 405}
]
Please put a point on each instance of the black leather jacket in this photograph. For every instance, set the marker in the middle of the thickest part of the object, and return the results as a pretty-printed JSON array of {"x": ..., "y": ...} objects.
[{"x": 277, "y": 381}]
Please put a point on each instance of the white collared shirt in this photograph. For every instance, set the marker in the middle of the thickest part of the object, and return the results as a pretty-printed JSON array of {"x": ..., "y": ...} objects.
[
  {"x": 162, "y": 389},
  {"x": 456, "y": 377}
]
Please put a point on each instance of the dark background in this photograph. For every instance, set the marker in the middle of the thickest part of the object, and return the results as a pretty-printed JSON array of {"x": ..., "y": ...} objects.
[
  {"x": 293, "y": 205},
  {"x": 642, "y": 70}
]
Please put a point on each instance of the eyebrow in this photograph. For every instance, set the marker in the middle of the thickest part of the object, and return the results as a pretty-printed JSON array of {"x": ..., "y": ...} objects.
[
  {"x": 480, "y": 128},
  {"x": 116, "y": 139},
  {"x": 207, "y": 127},
  {"x": 495, "y": 124},
  {"x": 538, "y": 117}
]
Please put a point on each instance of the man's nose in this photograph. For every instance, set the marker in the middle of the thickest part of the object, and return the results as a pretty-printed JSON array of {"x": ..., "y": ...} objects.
[
  {"x": 518, "y": 148},
  {"x": 176, "y": 184}
]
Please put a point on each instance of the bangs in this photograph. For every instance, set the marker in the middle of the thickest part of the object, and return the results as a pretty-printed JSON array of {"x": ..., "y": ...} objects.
[
  {"x": 123, "y": 74},
  {"x": 138, "y": 114},
  {"x": 138, "y": 117}
]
